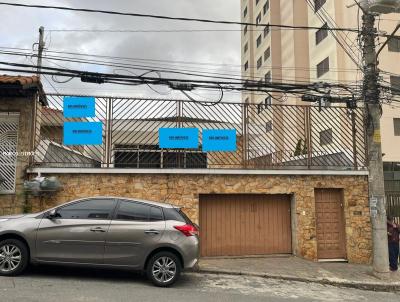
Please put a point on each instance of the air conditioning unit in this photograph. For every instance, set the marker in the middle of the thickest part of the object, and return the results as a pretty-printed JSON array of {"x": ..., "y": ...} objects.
[{"x": 382, "y": 6}]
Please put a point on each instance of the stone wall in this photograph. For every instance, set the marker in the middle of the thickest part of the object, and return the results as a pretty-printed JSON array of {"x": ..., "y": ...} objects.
[
  {"x": 14, "y": 203},
  {"x": 184, "y": 190}
]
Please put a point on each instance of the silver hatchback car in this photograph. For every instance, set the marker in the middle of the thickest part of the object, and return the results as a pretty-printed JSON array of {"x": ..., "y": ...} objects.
[{"x": 104, "y": 232}]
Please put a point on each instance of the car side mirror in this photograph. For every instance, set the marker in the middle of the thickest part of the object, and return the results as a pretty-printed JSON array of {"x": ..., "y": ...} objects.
[{"x": 52, "y": 214}]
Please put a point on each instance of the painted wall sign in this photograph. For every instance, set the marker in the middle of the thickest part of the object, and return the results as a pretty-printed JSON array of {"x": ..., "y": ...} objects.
[
  {"x": 219, "y": 140},
  {"x": 178, "y": 138},
  {"x": 83, "y": 133},
  {"x": 77, "y": 107}
]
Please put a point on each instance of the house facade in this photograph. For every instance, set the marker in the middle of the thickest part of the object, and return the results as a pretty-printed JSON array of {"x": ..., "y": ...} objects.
[{"x": 260, "y": 199}]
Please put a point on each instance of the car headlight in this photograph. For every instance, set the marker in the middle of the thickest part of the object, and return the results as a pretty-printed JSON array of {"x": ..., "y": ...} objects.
[{"x": 2, "y": 220}]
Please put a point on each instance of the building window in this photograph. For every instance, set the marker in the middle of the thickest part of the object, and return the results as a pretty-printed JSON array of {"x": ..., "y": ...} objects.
[
  {"x": 267, "y": 54},
  {"x": 246, "y": 47},
  {"x": 395, "y": 84},
  {"x": 266, "y": 30},
  {"x": 394, "y": 45},
  {"x": 321, "y": 34},
  {"x": 323, "y": 67},
  {"x": 151, "y": 156},
  {"x": 259, "y": 63},
  {"x": 9, "y": 125},
  {"x": 318, "y": 4},
  {"x": 260, "y": 108},
  {"x": 268, "y": 126},
  {"x": 246, "y": 65},
  {"x": 326, "y": 137},
  {"x": 259, "y": 40},
  {"x": 264, "y": 105},
  {"x": 268, "y": 101},
  {"x": 245, "y": 30},
  {"x": 268, "y": 77},
  {"x": 137, "y": 156},
  {"x": 396, "y": 124},
  {"x": 266, "y": 7},
  {"x": 258, "y": 20}
]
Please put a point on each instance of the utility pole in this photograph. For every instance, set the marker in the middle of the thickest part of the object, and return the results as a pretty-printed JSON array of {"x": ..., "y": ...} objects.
[
  {"x": 371, "y": 94},
  {"x": 40, "y": 50}
]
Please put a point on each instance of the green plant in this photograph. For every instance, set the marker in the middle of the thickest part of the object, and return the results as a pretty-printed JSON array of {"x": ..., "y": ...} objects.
[
  {"x": 299, "y": 148},
  {"x": 305, "y": 149}
]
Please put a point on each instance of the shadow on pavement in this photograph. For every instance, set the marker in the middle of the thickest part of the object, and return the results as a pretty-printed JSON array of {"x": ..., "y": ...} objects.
[{"x": 95, "y": 275}]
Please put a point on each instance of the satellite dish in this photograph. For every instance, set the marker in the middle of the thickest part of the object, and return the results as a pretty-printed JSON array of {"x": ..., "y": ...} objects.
[{"x": 381, "y": 6}]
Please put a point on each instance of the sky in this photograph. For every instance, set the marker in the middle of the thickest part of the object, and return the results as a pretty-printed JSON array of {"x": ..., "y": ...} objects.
[{"x": 212, "y": 51}]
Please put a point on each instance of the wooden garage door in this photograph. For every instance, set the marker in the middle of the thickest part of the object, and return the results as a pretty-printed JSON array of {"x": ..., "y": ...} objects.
[
  {"x": 245, "y": 224},
  {"x": 330, "y": 224}
]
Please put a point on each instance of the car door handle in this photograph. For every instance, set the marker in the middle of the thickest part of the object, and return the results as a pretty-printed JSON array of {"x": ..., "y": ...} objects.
[
  {"x": 154, "y": 232},
  {"x": 98, "y": 229}
]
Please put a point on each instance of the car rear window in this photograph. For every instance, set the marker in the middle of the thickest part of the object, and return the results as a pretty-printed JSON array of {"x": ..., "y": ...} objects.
[{"x": 176, "y": 214}]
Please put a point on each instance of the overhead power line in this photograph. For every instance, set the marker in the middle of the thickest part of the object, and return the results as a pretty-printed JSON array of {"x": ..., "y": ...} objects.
[
  {"x": 251, "y": 86},
  {"x": 161, "y": 17},
  {"x": 154, "y": 67},
  {"x": 149, "y": 30},
  {"x": 167, "y": 62}
]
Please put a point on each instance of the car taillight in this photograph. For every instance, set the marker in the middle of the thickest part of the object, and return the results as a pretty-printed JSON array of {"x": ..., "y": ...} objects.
[{"x": 187, "y": 229}]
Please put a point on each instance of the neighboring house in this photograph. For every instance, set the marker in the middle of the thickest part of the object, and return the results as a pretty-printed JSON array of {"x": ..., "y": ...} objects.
[
  {"x": 317, "y": 55},
  {"x": 20, "y": 96},
  {"x": 29, "y": 135},
  {"x": 50, "y": 149}
]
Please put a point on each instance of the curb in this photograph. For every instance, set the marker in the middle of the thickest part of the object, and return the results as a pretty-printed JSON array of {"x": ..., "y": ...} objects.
[{"x": 371, "y": 286}]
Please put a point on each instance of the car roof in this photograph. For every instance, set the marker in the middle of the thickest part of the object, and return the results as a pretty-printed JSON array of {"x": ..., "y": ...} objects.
[{"x": 154, "y": 203}]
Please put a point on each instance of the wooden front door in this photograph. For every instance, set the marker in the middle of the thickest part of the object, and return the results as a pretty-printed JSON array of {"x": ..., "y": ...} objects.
[
  {"x": 245, "y": 224},
  {"x": 330, "y": 223}
]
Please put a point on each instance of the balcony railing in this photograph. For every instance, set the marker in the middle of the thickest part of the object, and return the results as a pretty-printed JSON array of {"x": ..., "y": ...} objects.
[{"x": 276, "y": 136}]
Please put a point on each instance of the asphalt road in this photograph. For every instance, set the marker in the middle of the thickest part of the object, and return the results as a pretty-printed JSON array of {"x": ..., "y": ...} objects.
[{"x": 49, "y": 284}]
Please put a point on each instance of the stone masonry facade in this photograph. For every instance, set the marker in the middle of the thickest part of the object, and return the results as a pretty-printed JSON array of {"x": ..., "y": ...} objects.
[{"x": 184, "y": 190}]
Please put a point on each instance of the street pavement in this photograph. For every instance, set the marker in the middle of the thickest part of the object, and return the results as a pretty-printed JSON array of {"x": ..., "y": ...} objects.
[
  {"x": 49, "y": 284},
  {"x": 297, "y": 269}
]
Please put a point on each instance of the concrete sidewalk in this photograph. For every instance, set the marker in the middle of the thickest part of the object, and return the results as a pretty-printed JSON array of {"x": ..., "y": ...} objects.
[{"x": 296, "y": 269}]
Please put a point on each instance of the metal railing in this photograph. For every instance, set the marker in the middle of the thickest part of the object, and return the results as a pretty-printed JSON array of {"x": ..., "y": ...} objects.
[{"x": 268, "y": 136}]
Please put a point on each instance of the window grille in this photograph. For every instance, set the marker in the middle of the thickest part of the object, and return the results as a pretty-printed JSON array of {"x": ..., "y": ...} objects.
[{"x": 8, "y": 151}]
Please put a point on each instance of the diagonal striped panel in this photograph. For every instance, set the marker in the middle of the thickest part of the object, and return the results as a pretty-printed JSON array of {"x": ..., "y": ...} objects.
[{"x": 8, "y": 151}]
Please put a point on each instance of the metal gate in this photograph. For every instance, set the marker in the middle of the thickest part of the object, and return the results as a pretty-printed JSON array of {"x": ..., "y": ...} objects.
[{"x": 8, "y": 151}]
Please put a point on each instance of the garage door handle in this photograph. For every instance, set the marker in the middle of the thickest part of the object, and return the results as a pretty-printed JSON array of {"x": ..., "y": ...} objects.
[
  {"x": 154, "y": 232},
  {"x": 100, "y": 230}
]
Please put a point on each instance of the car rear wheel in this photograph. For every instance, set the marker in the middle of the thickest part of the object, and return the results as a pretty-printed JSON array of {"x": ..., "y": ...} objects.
[
  {"x": 13, "y": 257},
  {"x": 164, "y": 269}
]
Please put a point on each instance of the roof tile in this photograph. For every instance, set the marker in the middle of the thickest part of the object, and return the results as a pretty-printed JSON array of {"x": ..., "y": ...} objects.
[{"x": 19, "y": 80}]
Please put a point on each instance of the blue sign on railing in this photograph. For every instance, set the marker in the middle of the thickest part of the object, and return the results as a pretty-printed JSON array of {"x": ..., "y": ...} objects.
[
  {"x": 178, "y": 138},
  {"x": 83, "y": 133},
  {"x": 78, "y": 107},
  {"x": 219, "y": 140}
]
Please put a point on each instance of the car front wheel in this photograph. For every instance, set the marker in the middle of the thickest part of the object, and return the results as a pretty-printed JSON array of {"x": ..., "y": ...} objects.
[
  {"x": 164, "y": 269},
  {"x": 13, "y": 257}
]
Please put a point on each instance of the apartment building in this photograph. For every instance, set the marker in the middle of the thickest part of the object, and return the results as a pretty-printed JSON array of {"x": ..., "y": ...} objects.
[{"x": 283, "y": 55}]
